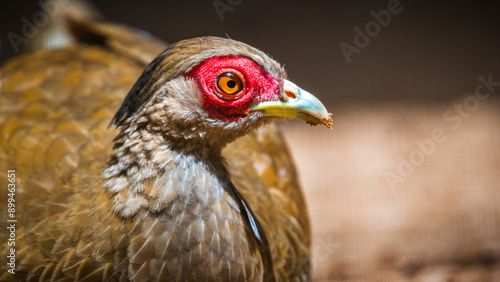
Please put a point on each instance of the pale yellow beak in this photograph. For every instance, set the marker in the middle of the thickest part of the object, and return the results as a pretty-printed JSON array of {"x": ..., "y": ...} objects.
[{"x": 301, "y": 104}]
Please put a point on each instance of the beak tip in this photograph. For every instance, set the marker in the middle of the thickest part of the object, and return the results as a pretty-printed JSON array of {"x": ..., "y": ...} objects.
[{"x": 327, "y": 121}]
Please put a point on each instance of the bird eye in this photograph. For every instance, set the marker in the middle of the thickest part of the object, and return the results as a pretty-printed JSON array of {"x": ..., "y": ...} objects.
[{"x": 229, "y": 84}]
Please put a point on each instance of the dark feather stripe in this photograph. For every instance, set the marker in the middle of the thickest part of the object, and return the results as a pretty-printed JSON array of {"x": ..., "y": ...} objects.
[{"x": 257, "y": 231}]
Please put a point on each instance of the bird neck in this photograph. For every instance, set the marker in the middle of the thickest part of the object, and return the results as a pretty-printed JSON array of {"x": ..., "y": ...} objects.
[{"x": 155, "y": 172}]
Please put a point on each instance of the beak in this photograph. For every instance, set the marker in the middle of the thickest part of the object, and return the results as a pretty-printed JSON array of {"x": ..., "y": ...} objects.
[{"x": 300, "y": 104}]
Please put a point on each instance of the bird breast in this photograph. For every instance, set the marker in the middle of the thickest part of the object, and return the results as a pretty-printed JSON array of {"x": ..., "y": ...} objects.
[{"x": 187, "y": 219}]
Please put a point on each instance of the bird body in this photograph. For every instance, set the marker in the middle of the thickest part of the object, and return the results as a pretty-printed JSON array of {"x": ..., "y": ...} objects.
[{"x": 166, "y": 195}]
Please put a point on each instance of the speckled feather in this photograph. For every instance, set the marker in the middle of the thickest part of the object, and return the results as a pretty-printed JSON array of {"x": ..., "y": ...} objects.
[{"x": 89, "y": 212}]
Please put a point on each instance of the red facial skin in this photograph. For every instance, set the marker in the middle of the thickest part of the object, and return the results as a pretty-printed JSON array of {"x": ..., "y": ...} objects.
[{"x": 258, "y": 86}]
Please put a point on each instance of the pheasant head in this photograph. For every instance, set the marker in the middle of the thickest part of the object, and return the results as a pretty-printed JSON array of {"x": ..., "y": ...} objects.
[{"x": 208, "y": 91}]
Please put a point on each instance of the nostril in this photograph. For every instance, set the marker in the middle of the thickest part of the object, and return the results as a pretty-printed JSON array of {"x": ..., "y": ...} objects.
[{"x": 291, "y": 94}]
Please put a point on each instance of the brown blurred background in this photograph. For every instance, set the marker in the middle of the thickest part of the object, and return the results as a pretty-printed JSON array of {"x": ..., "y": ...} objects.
[{"x": 383, "y": 207}]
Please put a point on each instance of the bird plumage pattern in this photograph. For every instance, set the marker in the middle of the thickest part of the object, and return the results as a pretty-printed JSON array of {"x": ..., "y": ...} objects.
[{"x": 159, "y": 197}]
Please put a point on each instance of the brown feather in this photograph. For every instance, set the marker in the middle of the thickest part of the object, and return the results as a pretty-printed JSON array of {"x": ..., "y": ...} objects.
[{"x": 80, "y": 222}]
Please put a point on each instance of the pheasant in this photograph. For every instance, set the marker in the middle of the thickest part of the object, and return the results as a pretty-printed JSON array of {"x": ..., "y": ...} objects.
[{"x": 176, "y": 184}]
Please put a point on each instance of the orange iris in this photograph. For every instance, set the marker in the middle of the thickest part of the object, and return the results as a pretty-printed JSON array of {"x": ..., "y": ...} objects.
[{"x": 229, "y": 84}]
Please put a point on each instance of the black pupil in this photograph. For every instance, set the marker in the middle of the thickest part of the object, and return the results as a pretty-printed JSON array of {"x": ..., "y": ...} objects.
[{"x": 231, "y": 84}]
